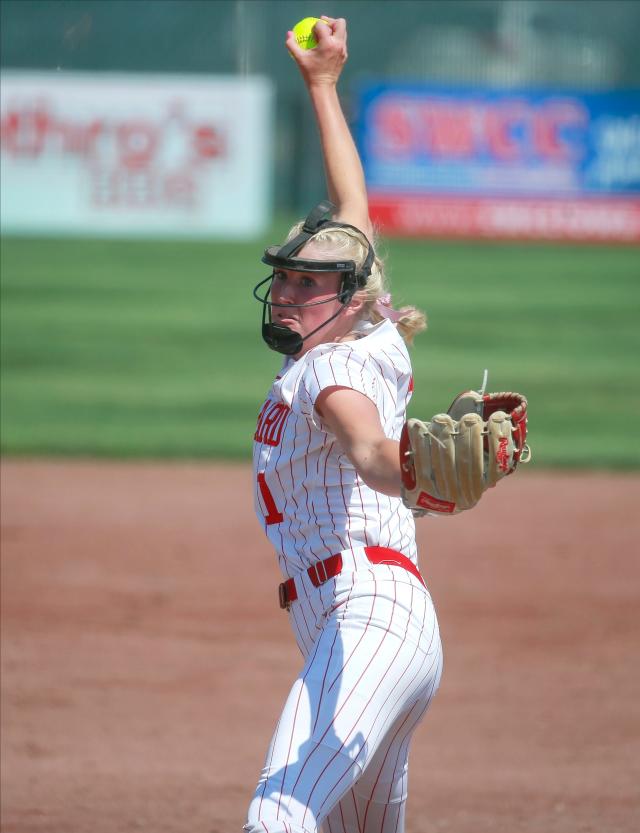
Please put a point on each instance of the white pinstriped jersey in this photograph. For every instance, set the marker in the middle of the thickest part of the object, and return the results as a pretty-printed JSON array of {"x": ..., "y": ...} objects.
[
  {"x": 338, "y": 758},
  {"x": 308, "y": 494}
]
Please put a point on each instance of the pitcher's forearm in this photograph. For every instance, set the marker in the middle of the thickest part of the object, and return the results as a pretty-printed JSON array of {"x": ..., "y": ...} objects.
[
  {"x": 343, "y": 168},
  {"x": 379, "y": 466}
]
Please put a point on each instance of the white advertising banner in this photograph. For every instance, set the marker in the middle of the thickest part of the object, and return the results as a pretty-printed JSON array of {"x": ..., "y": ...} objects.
[{"x": 121, "y": 154}]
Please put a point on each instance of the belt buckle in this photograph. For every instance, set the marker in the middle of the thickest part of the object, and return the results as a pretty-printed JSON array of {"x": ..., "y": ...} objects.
[
  {"x": 318, "y": 573},
  {"x": 285, "y": 604}
]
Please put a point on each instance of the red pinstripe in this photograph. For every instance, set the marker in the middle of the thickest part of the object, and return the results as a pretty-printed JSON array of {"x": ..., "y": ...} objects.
[
  {"x": 384, "y": 529},
  {"x": 345, "y": 604},
  {"x": 403, "y": 367},
  {"x": 378, "y": 516},
  {"x": 287, "y": 494},
  {"x": 347, "y": 698},
  {"x": 328, "y": 550},
  {"x": 382, "y": 677},
  {"x": 267, "y": 461},
  {"x": 404, "y": 721},
  {"x": 394, "y": 347},
  {"x": 306, "y": 491},
  {"x": 295, "y": 715},
  {"x": 299, "y": 609},
  {"x": 410, "y": 729},
  {"x": 315, "y": 511},
  {"x": 392, "y": 393},
  {"x": 344, "y": 664},
  {"x": 348, "y": 369},
  {"x": 403, "y": 536},
  {"x": 421, "y": 709},
  {"x": 291, "y": 517},
  {"x": 313, "y": 367},
  {"x": 268, "y": 765},
  {"x": 331, "y": 356},
  {"x": 324, "y": 678},
  {"x": 398, "y": 755},
  {"x": 364, "y": 514},
  {"x": 407, "y": 686},
  {"x": 333, "y": 522},
  {"x": 292, "y": 490},
  {"x": 310, "y": 599},
  {"x": 364, "y": 511},
  {"x": 373, "y": 379},
  {"x": 355, "y": 807},
  {"x": 346, "y": 511}
]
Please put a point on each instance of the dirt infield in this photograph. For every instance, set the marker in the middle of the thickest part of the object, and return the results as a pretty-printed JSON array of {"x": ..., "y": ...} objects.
[{"x": 144, "y": 659}]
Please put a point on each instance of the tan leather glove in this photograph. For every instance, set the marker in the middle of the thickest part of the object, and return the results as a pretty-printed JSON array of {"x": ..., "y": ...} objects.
[{"x": 448, "y": 463}]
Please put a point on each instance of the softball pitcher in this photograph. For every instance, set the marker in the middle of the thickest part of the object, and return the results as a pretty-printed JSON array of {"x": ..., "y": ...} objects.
[
  {"x": 339, "y": 475},
  {"x": 327, "y": 490}
]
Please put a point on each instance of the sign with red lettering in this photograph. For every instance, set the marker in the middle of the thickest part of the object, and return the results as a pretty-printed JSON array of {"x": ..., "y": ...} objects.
[
  {"x": 135, "y": 154},
  {"x": 489, "y": 163}
]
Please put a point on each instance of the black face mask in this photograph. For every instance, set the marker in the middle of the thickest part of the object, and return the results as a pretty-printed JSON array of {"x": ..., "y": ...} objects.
[{"x": 282, "y": 338}]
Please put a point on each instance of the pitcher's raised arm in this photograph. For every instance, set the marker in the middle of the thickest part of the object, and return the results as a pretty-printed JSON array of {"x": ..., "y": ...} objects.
[{"x": 321, "y": 68}]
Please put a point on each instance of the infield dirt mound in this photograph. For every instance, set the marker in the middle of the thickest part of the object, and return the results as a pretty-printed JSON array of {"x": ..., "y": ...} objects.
[{"x": 145, "y": 660}]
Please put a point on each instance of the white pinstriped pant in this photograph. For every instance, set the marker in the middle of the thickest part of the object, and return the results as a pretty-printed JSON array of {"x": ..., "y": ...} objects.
[{"x": 338, "y": 757}]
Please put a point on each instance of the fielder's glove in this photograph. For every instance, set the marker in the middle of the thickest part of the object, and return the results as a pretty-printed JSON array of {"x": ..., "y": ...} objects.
[{"x": 448, "y": 463}]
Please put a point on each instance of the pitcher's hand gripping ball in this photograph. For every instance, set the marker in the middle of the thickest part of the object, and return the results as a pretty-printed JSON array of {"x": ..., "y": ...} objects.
[
  {"x": 303, "y": 31},
  {"x": 448, "y": 463}
]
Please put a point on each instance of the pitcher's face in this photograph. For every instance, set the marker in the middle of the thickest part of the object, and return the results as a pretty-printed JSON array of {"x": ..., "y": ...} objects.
[{"x": 291, "y": 288}]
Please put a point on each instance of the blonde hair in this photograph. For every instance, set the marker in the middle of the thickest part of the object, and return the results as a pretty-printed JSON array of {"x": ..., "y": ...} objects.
[{"x": 351, "y": 244}]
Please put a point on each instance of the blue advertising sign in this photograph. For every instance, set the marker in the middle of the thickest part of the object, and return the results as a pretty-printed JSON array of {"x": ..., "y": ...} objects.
[{"x": 422, "y": 143}]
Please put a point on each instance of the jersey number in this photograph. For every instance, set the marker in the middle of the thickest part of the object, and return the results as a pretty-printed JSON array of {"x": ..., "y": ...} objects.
[{"x": 272, "y": 516}]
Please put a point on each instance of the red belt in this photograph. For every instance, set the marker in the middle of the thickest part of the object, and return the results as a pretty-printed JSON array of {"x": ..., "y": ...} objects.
[{"x": 322, "y": 571}]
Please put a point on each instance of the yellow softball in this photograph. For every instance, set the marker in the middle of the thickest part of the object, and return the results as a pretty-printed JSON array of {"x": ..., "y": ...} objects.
[{"x": 304, "y": 32}]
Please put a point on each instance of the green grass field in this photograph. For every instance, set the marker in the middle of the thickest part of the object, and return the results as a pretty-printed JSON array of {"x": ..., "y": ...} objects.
[{"x": 153, "y": 349}]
